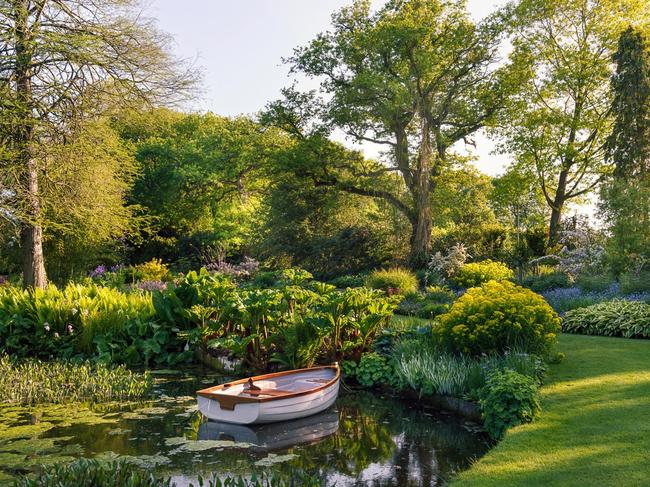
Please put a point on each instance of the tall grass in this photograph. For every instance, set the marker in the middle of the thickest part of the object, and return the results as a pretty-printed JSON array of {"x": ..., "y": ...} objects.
[
  {"x": 428, "y": 371},
  {"x": 34, "y": 382},
  {"x": 92, "y": 473}
]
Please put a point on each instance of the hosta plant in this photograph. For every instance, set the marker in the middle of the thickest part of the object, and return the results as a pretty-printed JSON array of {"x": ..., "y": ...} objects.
[{"x": 629, "y": 319}]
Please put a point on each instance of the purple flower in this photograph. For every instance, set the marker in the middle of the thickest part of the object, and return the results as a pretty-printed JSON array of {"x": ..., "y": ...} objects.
[
  {"x": 99, "y": 271},
  {"x": 117, "y": 267}
]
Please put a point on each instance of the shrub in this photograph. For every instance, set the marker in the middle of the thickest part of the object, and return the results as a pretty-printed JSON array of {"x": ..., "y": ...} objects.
[
  {"x": 545, "y": 282},
  {"x": 394, "y": 280},
  {"x": 154, "y": 270},
  {"x": 508, "y": 399},
  {"x": 419, "y": 365},
  {"x": 594, "y": 283},
  {"x": 477, "y": 273},
  {"x": 34, "y": 382},
  {"x": 632, "y": 282},
  {"x": 440, "y": 294},
  {"x": 442, "y": 267},
  {"x": 351, "y": 280},
  {"x": 629, "y": 319},
  {"x": 497, "y": 317}
]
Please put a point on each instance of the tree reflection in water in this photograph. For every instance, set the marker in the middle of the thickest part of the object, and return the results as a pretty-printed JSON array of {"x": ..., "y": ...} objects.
[{"x": 382, "y": 441}]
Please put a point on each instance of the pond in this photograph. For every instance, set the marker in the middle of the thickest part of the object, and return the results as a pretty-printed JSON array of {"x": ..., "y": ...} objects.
[{"x": 365, "y": 439}]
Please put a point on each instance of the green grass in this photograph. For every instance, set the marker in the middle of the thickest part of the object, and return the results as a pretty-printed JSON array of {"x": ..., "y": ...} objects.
[{"x": 594, "y": 428}]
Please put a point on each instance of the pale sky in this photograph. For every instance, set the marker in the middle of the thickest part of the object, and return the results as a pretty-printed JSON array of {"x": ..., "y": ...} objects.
[{"x": 240, "y": 45}]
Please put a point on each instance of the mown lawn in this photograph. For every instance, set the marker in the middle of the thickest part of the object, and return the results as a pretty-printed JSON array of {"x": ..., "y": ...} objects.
[{"x": 594, "y": 429}]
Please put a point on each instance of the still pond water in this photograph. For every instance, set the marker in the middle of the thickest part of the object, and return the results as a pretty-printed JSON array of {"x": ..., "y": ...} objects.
[{"x": 365, "y": 439}]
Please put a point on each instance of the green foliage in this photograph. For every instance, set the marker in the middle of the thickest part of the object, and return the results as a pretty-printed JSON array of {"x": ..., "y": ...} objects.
[
  {"x": 477, "y": 273},
  {"x": 558, "y": 127},
  {"x": 546, "y": 281},
  {"x": 434, "y": 302},
  {"x": 625, "y": 200},
  {"x": 430, "y": 44},
  {"x": 374, "y": 370},
  {"x": 496, "y": 317},
  {"x": 35, "y": 382},
  {"x": 394, "y": 281},
  {"x": 350, "y": 280},
  {"x": 200, "y": 181},
  {"x": 440, "y": 294},
  {"x": 635, "y": 282},
  {"x": 427, "y": 371},
  {"x": 629, "y": 319},
  {"x": 92, "y": 473},
  {"x": 594, "y": 283},
  {"x": 60, "y": 322},
  {"x": 508, "y": 399}
]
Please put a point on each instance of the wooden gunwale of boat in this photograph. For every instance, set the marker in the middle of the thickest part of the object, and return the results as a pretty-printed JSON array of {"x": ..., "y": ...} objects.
[{"x": 228, "y": 401}]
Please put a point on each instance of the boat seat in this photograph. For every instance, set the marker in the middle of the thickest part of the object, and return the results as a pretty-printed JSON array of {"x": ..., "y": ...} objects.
[{"x": 267, "y": 392}]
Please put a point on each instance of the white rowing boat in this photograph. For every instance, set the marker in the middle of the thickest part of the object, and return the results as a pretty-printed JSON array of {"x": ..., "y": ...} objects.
[{"x": 272, "y": 397}]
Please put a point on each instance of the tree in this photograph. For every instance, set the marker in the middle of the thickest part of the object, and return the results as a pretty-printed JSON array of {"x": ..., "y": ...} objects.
[
  {"x": 559, "y": 127},
  {"x": 416, "y": 77},
  {"x": 60, "y": 60},
  {"x": 626, "y": 197},
  {"x": 201, "y": 181}
]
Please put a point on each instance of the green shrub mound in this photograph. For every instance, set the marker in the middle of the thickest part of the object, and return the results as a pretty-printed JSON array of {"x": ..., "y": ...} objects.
[
  {"x": 594, "y": 283},
  {"x": 635, "y": 282},
  {"x": 497, "y": 317},
  {"x": 545, "y": 282},
  {"x": 508, "y": 399},
  {"x": 33, "y": 382},
  {"x": 477, "y": 273},
  {"x": 628, "y": 319},
  {"x": 91, "y": 473},
  {"x": 434, "y": 302},
  {"x": 396, "y": 280}
]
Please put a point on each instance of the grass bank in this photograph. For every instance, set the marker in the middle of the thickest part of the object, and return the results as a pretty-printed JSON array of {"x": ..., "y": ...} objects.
[{"x": 594, "y": 428}]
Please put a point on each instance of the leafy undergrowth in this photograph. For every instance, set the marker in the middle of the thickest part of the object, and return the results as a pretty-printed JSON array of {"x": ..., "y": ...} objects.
[{"x": 593, "y": 429}]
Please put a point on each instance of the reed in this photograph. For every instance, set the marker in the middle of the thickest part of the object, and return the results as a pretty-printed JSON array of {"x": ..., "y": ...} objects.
[{"x": 36, "y": 382}]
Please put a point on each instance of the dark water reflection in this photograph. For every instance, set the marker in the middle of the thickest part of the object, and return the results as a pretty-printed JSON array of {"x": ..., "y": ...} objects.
[{"x": 365, "y": 439}]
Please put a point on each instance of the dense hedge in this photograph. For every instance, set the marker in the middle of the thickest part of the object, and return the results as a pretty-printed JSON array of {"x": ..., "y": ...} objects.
[{"x": 629, "y": 319}]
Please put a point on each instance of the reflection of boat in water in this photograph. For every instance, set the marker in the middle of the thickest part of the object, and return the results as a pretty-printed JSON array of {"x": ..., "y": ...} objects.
[
  {"x": 272, "y": 397},
  {"x": 276, "y": 435}
]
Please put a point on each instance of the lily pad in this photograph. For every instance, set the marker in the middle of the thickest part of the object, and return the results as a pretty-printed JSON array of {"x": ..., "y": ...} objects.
[{"x": 272, "y": 459}]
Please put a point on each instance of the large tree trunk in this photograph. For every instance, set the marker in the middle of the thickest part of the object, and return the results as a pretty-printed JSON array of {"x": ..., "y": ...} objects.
[
  {"x": 556, "y": 209},
  {"x": 421, "y": 191},
  {"x": 32, "y": 234},
  {"x": 32, "y": 231}
]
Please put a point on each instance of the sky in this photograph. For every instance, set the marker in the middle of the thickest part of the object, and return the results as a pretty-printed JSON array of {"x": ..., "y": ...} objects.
[{"x": 239, "y": 44}]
